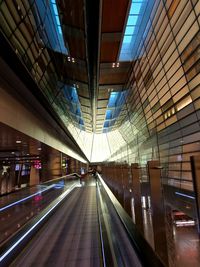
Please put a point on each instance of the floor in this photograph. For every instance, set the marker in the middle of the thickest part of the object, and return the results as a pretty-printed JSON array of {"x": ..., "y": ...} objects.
[
  {"x": 187, "y": 245},
  {"x": 187, "y": 242}
]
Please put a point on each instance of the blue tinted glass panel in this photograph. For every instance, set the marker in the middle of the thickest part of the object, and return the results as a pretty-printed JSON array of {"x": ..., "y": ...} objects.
[
  {"x": 106, "y": 124},
  {"x": 115, "y": 104},
  {"x": 59, "y": 29},
  {"x": 135, "y": 8},
  {"x": 139, "y": 17},
  {"x": 132, "y": 20},
  {"x": 55, "y": 9},
  {"x": 71, "y": 96},
  {"x": 112, "y": 99},
  {"x": 129, "y": 30},
  {"x": 108, "y": 114},
  {"x": 81, "y": 122},
  {"x": 78, "y": 111},
  {"x": 57, "y": 20},
  {"x": 47, "y": 15},
  {"x": 127, "y": 39}
]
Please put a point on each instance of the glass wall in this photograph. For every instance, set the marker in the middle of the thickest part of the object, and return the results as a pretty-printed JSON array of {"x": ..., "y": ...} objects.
[{"x": 163, "y": 104}]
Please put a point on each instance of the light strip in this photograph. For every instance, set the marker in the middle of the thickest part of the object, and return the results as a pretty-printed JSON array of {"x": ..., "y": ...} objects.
[
  {"x": 180, "y": 223},
  {"x": 184, "y": 195},
  {"x": 23, "y": 199},
  {"x": 41, "y": 219}
]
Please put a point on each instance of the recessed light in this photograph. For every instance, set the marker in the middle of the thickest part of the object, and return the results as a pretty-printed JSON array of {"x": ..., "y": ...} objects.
[
  {"x": 12, "y": 152},
  {"x": 27, "y": 154},
  {"x": 39, "y": 148},
  {"x": 18, "y": 141}
]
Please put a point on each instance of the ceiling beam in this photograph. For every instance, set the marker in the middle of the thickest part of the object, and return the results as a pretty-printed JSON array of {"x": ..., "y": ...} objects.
[{"x": 92, "y": 31}]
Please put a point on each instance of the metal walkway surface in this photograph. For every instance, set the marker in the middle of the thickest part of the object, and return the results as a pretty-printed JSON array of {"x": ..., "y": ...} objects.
[{"x": 70, "y": 237}]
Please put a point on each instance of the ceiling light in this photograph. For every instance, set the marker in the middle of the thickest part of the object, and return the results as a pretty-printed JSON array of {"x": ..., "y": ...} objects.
[
  {"x": 118, "y": 65},
  {"x": 18, "y": 141},
  {"x": 12, "y": 152},
  {"x": 113, "y": 65},
  {"x": 39, "y": 148}
]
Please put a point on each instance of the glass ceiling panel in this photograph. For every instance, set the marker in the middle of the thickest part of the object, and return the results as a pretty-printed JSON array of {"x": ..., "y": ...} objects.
[
  {"x": 135, "y": 8},
  {"x": 138, "y": 17},
  {"x": 115, "y": 104},
  {"x": 129, "y": 30},
  {"x": 70, "y": 94},
  {"x": 132, "y": 20},
  {"x": 47, "y": 15}
]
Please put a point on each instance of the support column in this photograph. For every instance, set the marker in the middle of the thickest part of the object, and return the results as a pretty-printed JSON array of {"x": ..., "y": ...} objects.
[
  {"x": 73, "y": 165},
  {"x": 51, "y": 165},
  {"x": 34, "y": 176},
  {"x": 127, "y": 193},
  {"x": 120, "y": 185},
  {"x": 11, "y": 179},
  {"x": 158, "y": 213},
  {"x": 136, "y": 187}
]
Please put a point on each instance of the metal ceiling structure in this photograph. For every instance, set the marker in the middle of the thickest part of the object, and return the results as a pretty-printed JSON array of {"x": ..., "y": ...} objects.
[
  {"x": 71, "y": 49},
  {"x": 93, "y": 32}
]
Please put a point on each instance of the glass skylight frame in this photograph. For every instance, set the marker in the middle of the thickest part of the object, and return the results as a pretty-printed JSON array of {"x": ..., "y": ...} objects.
[
  {"x": 115, "y": 105},
  {"x": 139, "y": 13},
  {"x": 71, "y": 96},
  {"x": 49, "y": 27}
]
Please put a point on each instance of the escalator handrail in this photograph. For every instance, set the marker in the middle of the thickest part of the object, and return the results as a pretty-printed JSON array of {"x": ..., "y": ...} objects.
[{"x": 144, "y": 251}]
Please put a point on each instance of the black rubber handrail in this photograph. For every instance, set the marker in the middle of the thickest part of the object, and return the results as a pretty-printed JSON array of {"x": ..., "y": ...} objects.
[{"x": 144, "y": 251}]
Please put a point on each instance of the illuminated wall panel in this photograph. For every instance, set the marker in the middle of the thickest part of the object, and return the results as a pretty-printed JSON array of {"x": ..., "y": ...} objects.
[{"x": 164, "y": 97}]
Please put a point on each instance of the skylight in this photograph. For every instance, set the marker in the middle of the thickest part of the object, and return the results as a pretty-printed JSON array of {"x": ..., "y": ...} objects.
[
  {"x": 71, "y": 96},
  {"x": 115, "y": 104},
  {"x": 137, "y": 19},
  {"x": 49, "y": 26},
  {"x": 58, "y": 27}
]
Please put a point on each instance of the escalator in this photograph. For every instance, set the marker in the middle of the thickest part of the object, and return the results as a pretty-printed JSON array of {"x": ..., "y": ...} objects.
[
  {"x": 70, "y": 237},
  {"x": 85, "y": 226}
]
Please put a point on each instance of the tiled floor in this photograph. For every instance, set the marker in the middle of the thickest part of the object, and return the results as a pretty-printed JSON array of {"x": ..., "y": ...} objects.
[{"x": 187, "y": 243}]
